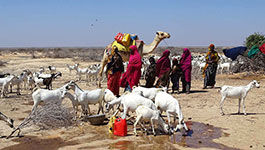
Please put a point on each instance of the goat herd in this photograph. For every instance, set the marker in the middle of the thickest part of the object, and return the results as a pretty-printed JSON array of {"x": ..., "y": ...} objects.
[{"x": 148, "y": 103}]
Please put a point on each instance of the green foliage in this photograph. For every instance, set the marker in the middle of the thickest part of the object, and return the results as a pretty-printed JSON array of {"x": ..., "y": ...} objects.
[{"x": 255, "y": 39}]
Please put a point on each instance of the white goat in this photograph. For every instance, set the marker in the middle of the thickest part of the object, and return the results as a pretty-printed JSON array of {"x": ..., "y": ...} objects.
[
  {"x": 86, "y": 97},
  {"x": 147, "y": 114},
  {"x": 166, "y": 102},
  {"x": 201, "y": 66},
  {"x": 130, "y": 102},
  {"x": 238, "y": 92},
  {"x": 225, "y": 66},
  {"x": 52, "y": 69},
  {"x": 44, "y": 95},
  {"x": 149, "y": 93},
  {"x": 18, "y": 81},
  {"x": 25, "y": 79},
  {"x": 5, "y": 82},
  {"x": 80, "y": 72},
  {"x": 30, "y": 82},
  {"x": 41, "y": 70},
  {"x": 72, "y": 67}
]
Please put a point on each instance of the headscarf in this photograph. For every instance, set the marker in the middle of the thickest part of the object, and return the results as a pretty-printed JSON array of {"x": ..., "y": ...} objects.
[
  {"x": 211, "y": 47},
  {"x": 185, "y": 60},
  {"x": 163, "y": 64},
  {"x": 212, "y": 54},
  {"x": 133, "y": 72},
  {"x": 135, "y": 58}
]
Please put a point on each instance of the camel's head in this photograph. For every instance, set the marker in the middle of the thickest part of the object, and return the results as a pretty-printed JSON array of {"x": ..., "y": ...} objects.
[{"x": 162, "y": 35}]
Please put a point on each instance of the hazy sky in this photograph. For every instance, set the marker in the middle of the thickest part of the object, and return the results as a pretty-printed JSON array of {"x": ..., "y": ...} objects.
[{"x": 50, "y": 23}]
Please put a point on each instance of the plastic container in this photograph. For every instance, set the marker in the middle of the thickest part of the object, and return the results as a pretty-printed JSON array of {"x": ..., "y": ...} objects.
[
  {"x": 119, "y": 37},
  {"x": 111, "y": 124},
  {"x": 126, "y": 39},
  {"x": 120, "y": 127}
]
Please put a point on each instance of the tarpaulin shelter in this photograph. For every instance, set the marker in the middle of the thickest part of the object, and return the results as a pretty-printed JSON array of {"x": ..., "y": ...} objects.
[{"x": 234, "y": 52}]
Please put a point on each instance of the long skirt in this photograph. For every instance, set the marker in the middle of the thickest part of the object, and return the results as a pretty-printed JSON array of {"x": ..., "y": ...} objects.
[
  {"x": 210, "y": 73},
  {"x": 163, "y": 80},
  {"x": 113, "y": 82},
  {"x": 175, "y": 81}
]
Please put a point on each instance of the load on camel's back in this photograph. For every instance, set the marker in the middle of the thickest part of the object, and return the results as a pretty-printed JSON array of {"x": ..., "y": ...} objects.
[{"x": 123, "y": 42}]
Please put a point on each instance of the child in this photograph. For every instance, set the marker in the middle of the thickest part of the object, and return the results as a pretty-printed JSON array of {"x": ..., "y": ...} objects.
[
  {"x": 175, "y": 76},
  {"x": 150, "y": 75}
]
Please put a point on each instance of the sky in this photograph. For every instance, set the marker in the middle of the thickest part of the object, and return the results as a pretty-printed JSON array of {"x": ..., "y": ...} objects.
[{"x": 94, "y": 23}]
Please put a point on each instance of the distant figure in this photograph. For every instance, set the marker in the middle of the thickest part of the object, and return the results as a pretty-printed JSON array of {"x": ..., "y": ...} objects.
[
  {"x": 185, "y": 63},
  {"x": 114, "y": 69},
  {"x": 209, "y": 71},
  {"x": 150, "y": 75},
  {"x": 163, "y": 68},
  {"x": 133, "y": 73},
  {"x": 175, "y": 76}
]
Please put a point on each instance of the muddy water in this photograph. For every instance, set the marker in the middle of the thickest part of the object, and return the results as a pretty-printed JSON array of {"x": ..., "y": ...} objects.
[
  {"x": 199, "y": 136},
  {"x": 33, "y": 142}
]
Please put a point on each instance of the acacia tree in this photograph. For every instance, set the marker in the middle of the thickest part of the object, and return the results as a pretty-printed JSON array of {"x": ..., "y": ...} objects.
[{"x": 255, "y": 39}]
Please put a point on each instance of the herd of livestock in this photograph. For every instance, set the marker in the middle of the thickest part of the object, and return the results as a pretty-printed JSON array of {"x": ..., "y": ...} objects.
[{"x": 147, "y": 103}]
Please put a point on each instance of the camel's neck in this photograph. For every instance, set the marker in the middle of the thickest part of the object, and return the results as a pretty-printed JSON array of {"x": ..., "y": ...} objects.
[{"x": 151, "y": 47}]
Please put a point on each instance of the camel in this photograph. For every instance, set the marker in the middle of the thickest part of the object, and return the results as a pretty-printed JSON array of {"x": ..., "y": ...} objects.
[{"x": 143, "y": 49}]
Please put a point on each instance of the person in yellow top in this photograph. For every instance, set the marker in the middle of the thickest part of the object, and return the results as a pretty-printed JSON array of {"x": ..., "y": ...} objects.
[{"x": 210, "y": 69}]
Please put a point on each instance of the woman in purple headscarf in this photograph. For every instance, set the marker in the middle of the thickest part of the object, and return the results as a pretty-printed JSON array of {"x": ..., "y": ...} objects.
[
  {"x": 163, "y": 68},
  {"x": 185, "y": 63},
  {"x": 133, "y": 73}
]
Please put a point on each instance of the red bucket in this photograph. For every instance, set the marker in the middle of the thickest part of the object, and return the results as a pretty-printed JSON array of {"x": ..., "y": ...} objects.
[{"x": 120, "y": 127}]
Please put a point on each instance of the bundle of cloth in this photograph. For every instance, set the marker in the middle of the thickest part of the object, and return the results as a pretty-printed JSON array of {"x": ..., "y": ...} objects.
[{"x": 234, "y": 52}]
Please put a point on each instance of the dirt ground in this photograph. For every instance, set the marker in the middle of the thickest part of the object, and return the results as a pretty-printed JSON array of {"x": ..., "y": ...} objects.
[{"x": 208, "y": 129}]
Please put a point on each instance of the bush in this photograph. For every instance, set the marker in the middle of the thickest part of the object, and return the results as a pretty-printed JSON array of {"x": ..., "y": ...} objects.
[{"x": 255, "y": 39}]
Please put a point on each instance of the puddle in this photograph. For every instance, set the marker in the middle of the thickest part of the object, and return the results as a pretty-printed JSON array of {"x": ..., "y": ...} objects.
[
  {"x": 33, "y": 142},
  {"x": 123, "y": 145},
  {"x": 200, "y": 136}
]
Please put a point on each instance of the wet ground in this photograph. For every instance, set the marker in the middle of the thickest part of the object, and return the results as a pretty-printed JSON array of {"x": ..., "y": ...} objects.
[{"x": 199, "y": 136}]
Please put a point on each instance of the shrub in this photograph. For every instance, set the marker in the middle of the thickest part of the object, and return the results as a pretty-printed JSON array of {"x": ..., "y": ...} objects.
[{"x": 255, "y": 39}]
